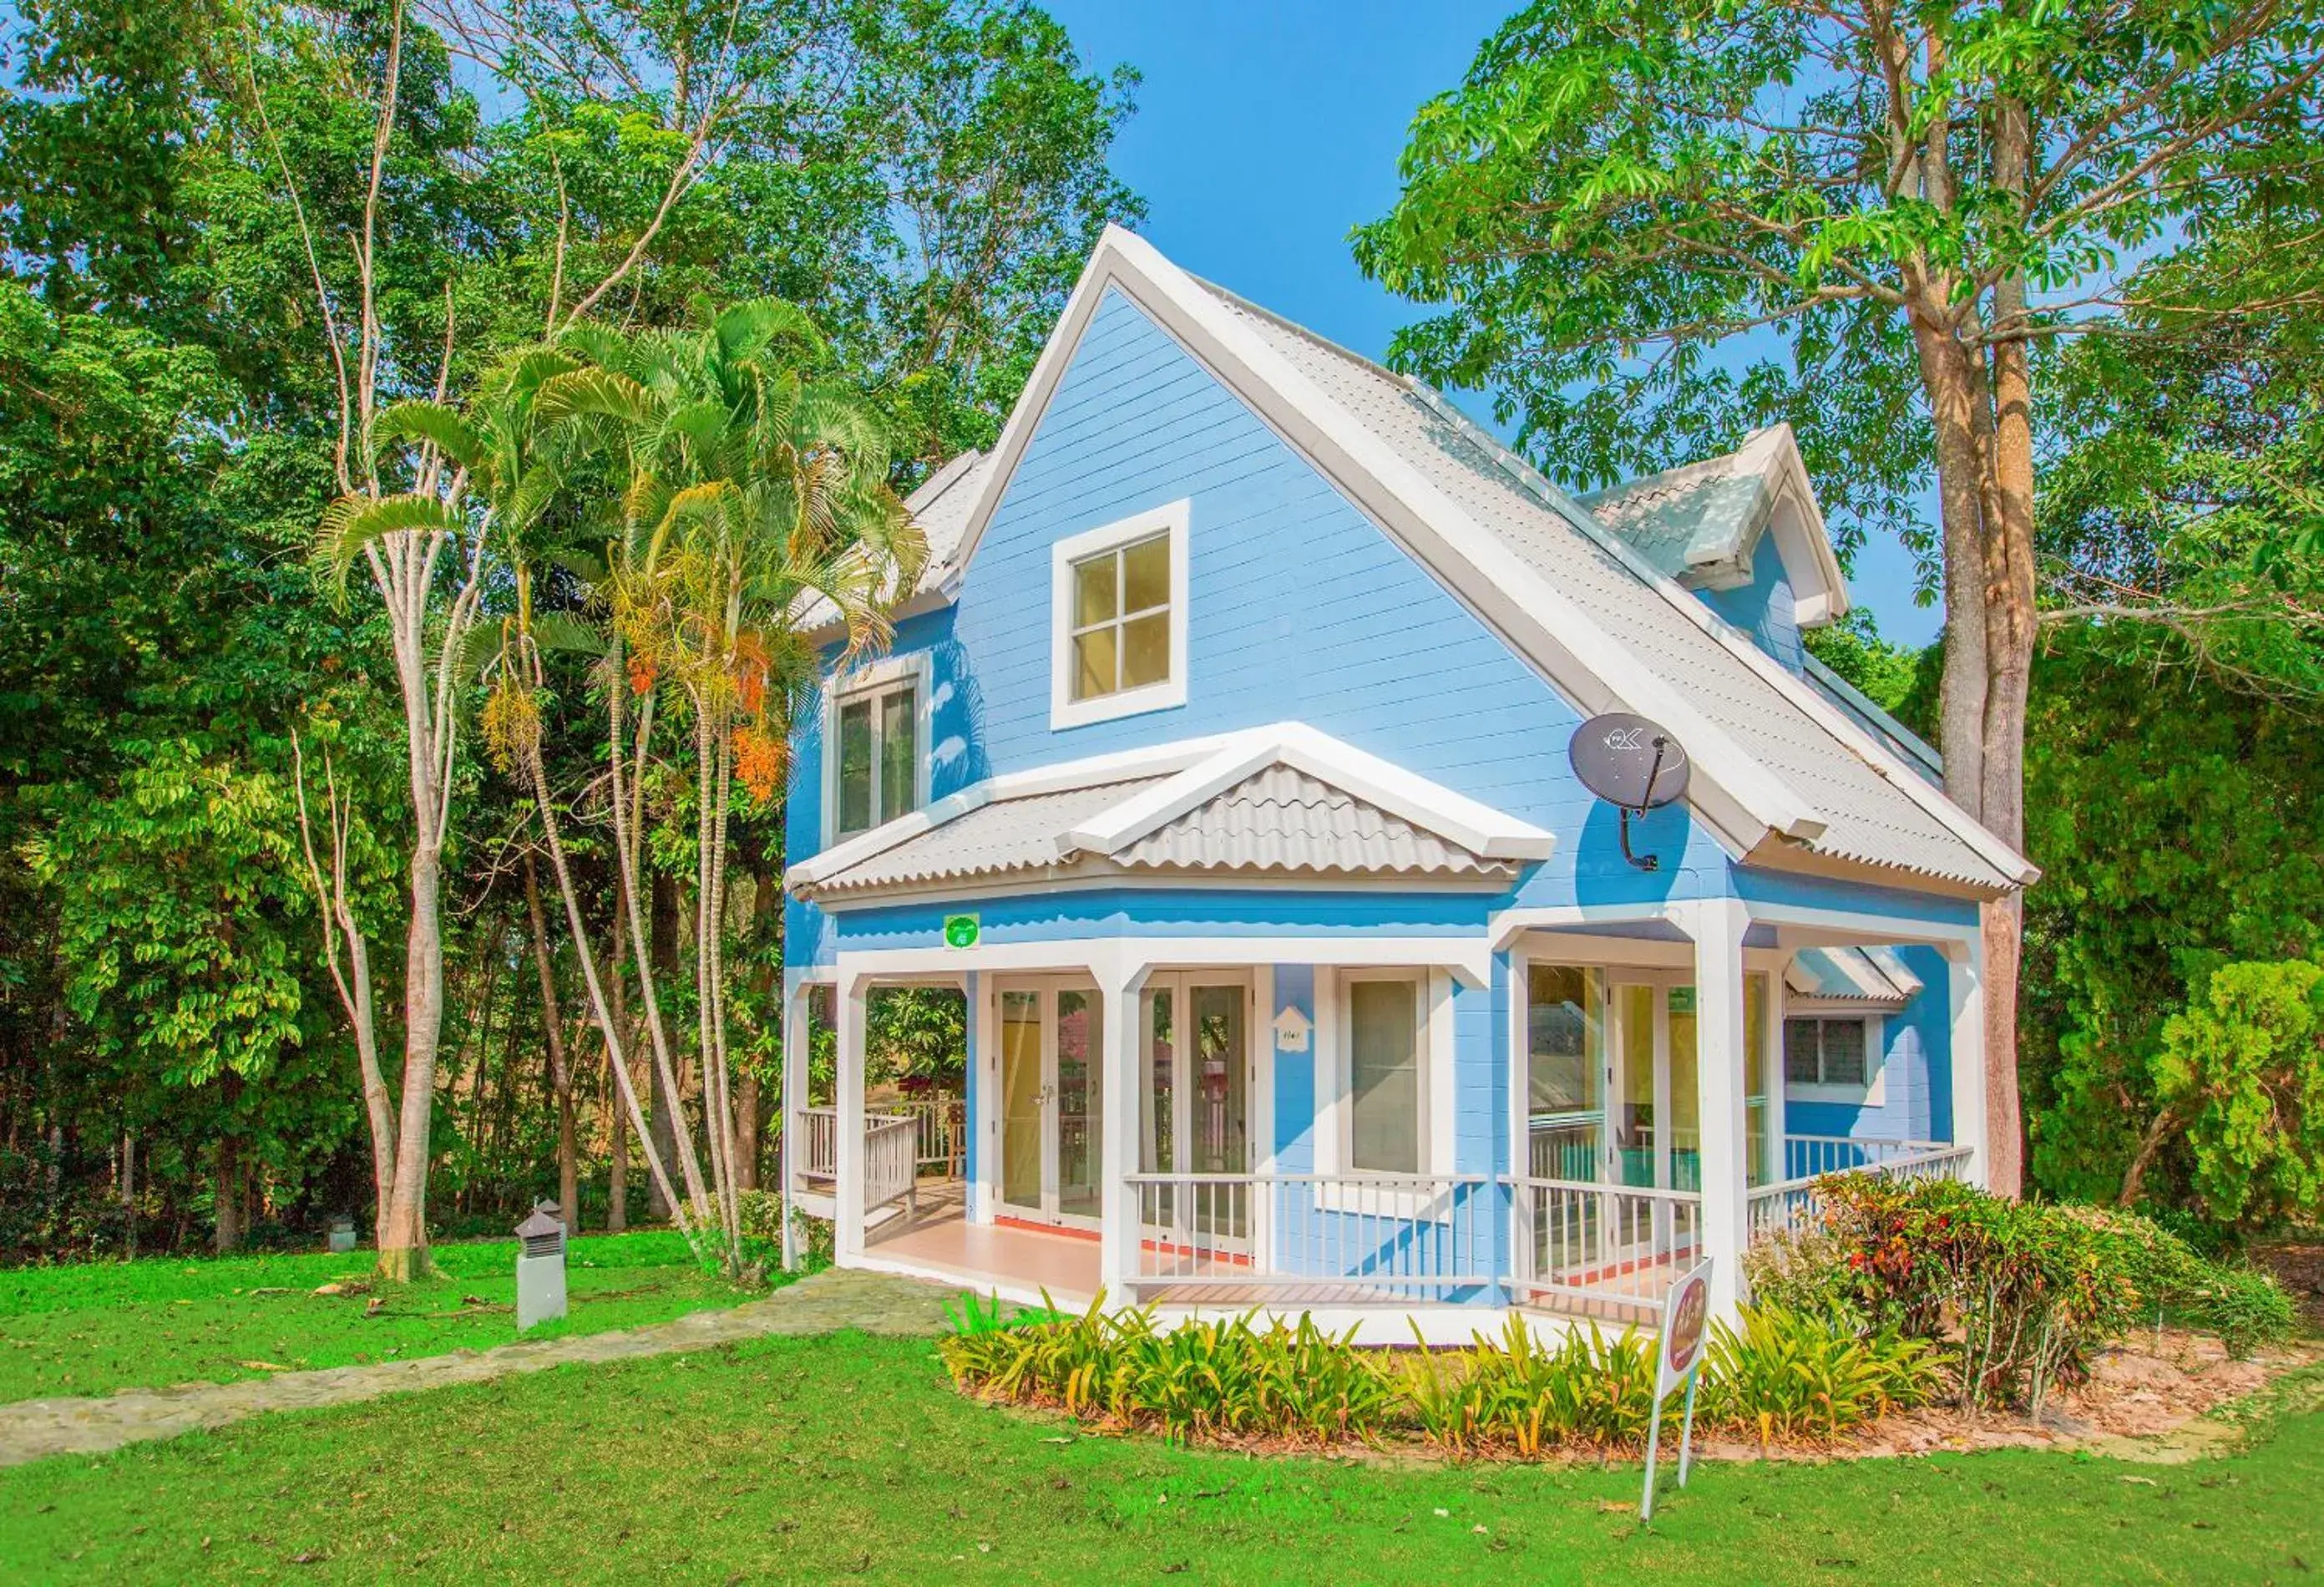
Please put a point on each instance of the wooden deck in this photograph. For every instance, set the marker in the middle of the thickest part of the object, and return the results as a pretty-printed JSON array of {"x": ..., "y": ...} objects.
[{"x": 1017, "y": 1261}]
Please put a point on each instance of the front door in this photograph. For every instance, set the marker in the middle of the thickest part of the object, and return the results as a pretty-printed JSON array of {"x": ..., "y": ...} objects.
[
  {"x": 1051, "y": 1101},
  {"x": 1197, "y": 1074}
]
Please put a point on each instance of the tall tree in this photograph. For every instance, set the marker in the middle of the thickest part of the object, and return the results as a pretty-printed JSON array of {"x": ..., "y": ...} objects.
[{"x": 1659, "y": 224}]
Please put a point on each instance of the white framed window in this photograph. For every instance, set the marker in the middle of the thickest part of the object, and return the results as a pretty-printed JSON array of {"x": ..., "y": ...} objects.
[
  {"x": 875, "y": 745},
  {"x": 1833, "y": 1057},
  {"x": 1117, "y": 619},
  {"x": 1384, "y": 1075}
]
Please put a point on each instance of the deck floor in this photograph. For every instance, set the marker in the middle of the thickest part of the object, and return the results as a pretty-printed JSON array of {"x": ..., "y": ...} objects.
[{"x": 941, "y": 1242}]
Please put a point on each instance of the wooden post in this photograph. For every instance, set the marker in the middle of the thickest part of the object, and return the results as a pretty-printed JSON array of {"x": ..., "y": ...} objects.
[
  {"x": 852, "y": 1001},
  {"x": 1119, "y": 986},
  {"x": 1717, "y": 927},
  {"x": 1965, "y": 984}
]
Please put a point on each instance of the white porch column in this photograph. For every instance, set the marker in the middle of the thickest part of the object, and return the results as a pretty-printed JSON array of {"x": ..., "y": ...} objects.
[
  {"x": 1718, "y": 927},
  {"x": 1771, "y": 1069},
  {"x": 1965, "y": 981},
  {"x": 792, "y": 1099},
  {"x": 1119, "y": 983},
  {"x": 852, "y": 1000}
]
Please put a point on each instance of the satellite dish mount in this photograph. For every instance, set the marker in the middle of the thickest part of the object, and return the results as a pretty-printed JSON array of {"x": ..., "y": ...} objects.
[{"x": 1634, "y": 765}]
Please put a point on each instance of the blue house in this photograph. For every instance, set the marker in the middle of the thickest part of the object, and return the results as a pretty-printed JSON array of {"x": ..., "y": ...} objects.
[{"x": 1222, "y": 760}]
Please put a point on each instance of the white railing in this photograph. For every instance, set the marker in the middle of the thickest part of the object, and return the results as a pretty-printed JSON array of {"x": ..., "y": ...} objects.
[
  {"x": 942, "y": 1131},
  {"x": 1581, "y": 1241},
  {"x": 891, "y": 1171},
  {"x": 891, "y": 1150},
  {"x": 1350, "y": 1237},
  {"x": 1794, "y": 1206},
  {"x": 1566, "y": 1146}
]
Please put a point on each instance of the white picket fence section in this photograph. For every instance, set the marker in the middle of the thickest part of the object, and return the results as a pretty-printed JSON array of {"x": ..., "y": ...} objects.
[
  {"x": 1581, "y": 1241},
  {"x": 1793, "y": 1204},
  {"x": 1319, "y": 1237}
]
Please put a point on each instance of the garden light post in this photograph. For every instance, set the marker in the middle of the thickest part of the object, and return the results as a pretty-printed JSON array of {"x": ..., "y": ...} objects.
[{"x": 540, "y": 1266}]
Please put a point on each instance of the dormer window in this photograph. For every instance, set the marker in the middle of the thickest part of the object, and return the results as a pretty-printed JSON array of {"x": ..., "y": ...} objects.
[
  {"x": 875, "y": 745},
  {"x": 1117, "y": 619}
]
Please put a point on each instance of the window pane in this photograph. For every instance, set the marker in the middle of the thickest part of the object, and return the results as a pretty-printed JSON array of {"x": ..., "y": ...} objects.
[
  {"x": 1093, "y": 668},
  {"x": 855, "y": 766},
  {"x": 1843, "y": 1052},
  {"x": 1161, "y": 1150},
  {"x": 1093, "y": 591},
  {"x": 1384, "y": 1077},
  {"x": 1146, "y": 575},
  {"x": 1800, "y": 1065},
  {"x": 899, "y": 753},
  {"x": 1146, "y": 651},
  {"x": 1565, "y": 1022}
]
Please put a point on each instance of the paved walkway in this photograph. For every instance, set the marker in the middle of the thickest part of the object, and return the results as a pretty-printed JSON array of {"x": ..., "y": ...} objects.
[{"x": 837, "y": 1299}]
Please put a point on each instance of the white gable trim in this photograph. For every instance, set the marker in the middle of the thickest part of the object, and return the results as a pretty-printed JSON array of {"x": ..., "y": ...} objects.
[
  {"x": 1737, "y": 797},
  {"x": 1475, "y": 826}
]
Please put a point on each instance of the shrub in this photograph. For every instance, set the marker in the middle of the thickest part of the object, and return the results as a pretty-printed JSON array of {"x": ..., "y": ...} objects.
[
  {"x": 2033, "y": 1288},
  {"x": 1789, "y": 1374},
  {"x": 2244, "y": 1306},
  {"x": 1804, "y": 1271},
  {"x": 1783, "y": 1375}
]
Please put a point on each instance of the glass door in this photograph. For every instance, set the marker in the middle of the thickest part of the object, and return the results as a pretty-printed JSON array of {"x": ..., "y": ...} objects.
[
  {"x": 1051, "y": 1103},
  {"x": 1197, "y": 1078}
]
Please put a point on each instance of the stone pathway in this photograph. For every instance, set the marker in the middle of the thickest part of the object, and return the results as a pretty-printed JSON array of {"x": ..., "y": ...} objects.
[{"x": 835, "y": 1298}]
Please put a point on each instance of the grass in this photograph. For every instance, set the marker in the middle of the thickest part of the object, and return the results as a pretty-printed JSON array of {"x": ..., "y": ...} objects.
[
  {"x": 848, "y": 1457},
  {"x": 93, "y": 1328}
]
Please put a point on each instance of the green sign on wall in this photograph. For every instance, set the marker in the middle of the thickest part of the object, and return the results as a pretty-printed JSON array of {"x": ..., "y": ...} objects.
[{"x": 961, "y": 931}]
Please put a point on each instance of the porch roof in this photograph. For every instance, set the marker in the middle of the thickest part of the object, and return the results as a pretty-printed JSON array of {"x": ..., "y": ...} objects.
[
  {"x": 1875, "y": 976},
  {"x": 1283, "y": 802}
]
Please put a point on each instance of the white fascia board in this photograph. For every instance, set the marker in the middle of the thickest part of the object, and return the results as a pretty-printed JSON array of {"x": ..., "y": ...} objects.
[
  {"x": 1773, "y": 455},
  {"x": 1475, "y": 826}
]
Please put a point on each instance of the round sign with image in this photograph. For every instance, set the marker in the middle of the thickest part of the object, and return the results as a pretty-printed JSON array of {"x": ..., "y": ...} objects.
[{"x": 1689, "y": 1316}]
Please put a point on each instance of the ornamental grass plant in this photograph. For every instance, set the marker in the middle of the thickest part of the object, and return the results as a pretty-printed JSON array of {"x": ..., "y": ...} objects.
[{"x": 1783, "y": 1377}]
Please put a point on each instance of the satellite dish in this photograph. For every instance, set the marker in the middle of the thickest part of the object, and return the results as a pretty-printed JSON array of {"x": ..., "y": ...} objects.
[{"x": 1632, "y": 764}]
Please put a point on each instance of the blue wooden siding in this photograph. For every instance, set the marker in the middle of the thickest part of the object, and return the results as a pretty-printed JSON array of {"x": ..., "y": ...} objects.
[{"x": 1765, "y": 608}]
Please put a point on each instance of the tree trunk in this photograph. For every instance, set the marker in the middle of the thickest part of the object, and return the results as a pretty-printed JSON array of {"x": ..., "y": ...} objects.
[
  {"x": 560, "y": 1077},
  {"x": 403, "y": 1242},
  {"x": 617, "y": 1172},
  {"x": 227, "y": 1200},
  {"x": 665, "y": 1123},
  {"x": 747, "y": 1103}
]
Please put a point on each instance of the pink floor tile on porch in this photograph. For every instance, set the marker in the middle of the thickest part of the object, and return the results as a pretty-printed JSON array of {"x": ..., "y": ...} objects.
[{"x": 983, "y": 1256}]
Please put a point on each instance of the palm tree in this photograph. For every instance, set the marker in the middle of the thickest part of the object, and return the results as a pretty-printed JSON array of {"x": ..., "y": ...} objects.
[{"x": 757, "y": 496}]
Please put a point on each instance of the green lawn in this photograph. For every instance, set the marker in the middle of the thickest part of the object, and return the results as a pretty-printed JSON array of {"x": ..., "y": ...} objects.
[
  {"x": 848, "y": 1457},
  {"x": 94, "y": 1328}
]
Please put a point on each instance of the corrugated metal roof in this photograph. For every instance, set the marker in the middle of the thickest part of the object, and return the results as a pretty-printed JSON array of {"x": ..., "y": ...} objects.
[
  {"x": 1868, "y": 819},
  {"x": 1281, "y": 819},
  {"x": 1852, "y": 974},
  {"x": 1007, "y": 834},
  {"x": 1277, "y": 821},
  {"x": 1694, "y": 523}
]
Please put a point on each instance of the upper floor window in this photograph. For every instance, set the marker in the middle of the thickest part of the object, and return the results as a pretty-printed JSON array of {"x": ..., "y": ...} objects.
[
  {"x": 1117, "y": 619},
  {"x": 875, "y": 745}
]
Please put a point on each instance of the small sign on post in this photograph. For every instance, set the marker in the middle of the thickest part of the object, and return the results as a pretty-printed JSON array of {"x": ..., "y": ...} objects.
[
  {"x": 1678, "y": 1359},
  {"x": 540, "y": 1266}
]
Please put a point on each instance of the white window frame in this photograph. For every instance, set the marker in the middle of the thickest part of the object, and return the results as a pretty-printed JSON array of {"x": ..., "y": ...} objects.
[
  {"x": 1874, "y": 1092},
  {"x": 1334, "y": 1134},
  {"x": 1065, "y": 711},
  {"x": 874, "y": 677}
]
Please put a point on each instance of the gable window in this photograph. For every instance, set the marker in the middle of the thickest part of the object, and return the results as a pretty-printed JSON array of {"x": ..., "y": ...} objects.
[
  {"x": 1118, "y": 618},
  {"x": 1829, "y": 1052},
  {"x": 874, "y": 746}
]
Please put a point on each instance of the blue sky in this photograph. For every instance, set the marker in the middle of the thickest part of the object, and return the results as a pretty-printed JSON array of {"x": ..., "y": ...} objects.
[{"x": 1266, "y": 129}]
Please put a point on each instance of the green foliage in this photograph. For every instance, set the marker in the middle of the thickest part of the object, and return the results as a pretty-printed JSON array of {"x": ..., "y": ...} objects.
[
  {"x": 2180, "y": 826},
  {"x": 1788, "y": 1375},
  {"x": 1894, "y": 678},
  {"x": 1783, "y": 1375},
  {"x": 2244, "y": 1305},
  {"x": 2033, "y": 1289},
  {"x": 2242, "y": 1071},
  {"x": 178, "y": 909}
]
